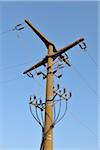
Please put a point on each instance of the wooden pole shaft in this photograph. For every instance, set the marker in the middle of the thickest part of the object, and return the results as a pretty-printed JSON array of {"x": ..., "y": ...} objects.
[{"x": 48, "y": 128}]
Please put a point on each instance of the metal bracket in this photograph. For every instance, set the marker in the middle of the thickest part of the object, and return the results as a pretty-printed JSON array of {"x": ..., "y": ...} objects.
[
  {"x": 83, "y": 46},
  {"x": 18, "y": 27}
]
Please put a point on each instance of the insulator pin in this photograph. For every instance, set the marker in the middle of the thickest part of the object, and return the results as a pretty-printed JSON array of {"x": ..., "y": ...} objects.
[
  {"x": 58, "y": 86},
  {"x": 34, "y": 97},
  {"x": 64, "y": 90}
]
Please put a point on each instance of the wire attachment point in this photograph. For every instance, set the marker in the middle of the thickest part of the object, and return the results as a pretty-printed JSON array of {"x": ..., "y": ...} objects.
[
  {"x": 83, "y": 46},
  {"x": 18, "y": 27}
]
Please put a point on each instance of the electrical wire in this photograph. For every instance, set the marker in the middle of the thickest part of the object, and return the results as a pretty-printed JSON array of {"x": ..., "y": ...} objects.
[
  {"x": 84, "y": 80},
  {"x": 5, "y": 32},
  {"x": 62, "y": 115},
  {"x": 82, "y": 123},
  {"x": 38, "y": 116},
  {"x": 92, "y": 59},
  {"x": 11, "y": 80},
  {"x": 56, "y": 118},
  {"x": 33, "y": 115},
  {"x": 42, "y": 140},
  {"x": 15, "y": 66},
  {"x": 54, "y": 112},
  {"x": 18, "y": 78},
  {"x": 42, "y": 118}
]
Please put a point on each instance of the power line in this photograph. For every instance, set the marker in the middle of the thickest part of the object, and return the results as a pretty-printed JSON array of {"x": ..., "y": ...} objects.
[
  {"x": 15, "y": 66},
  {"x": 84, "y": 80},
  {"x": 5, "y": 32},
  {"x": 18, "y": 78},
  {"x": 92, "y": 59},
  {"x": 82, "y": 123},
  {"x": 11, "y": 80},
  {"x": 75, "y": 116}
]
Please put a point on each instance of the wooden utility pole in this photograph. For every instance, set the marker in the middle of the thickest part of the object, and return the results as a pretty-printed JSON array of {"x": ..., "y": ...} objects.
[
  {"x": 48, "y": 128},
  {"x": 53, "y": 53}
]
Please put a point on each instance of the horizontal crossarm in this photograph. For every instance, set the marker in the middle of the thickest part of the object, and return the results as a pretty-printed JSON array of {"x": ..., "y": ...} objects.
[
  {"x": 42, "y": 62},
  {"x": 54, "y": 55},
  {"x": 65, "y": 49}
]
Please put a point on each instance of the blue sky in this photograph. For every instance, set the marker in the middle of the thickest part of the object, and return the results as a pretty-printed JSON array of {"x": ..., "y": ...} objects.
[{"x": 62, "y": 23}]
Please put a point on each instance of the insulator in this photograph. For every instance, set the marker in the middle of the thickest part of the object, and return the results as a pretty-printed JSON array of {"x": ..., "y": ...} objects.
[
  {"x": 30, "y": 98},
  {"x": 44, "y": 65},
  {"x": 34, "y": 97},
  {"x": 67, "y": 62},
  {"x": 61, "y": 67},
  {"x": 40, "y": 101},
  {"x": 65, "y": 95},
  {"x": 60, "y": 76},
  {"x": 17, "y": 27},
  {"x": 58, "y": 86},
  {"x": 66, "y": 56},
  {"x": 84, "y": 46},
  {"x": 28, "y": 75},
  {"x": 38, "y": 73},
  {"x": 44, "y": 77},
  {"x": 70, "y": 94},
  {"x": 54, "y": 71},
  {"x": 20, "y": 28},
  {"x": 41, "y": 109},
  {"x": 80, "y": 46},
  {"x": 62, "y": 57},
  {"x": 64, "y": 90},
  {"x": 31, "y": 74}
]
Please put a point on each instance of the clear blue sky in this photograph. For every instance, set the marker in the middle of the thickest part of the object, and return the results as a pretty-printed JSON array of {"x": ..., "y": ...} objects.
[{"x": 61, "y": 23}]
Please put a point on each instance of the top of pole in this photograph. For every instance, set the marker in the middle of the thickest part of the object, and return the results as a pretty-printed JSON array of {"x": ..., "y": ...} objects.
[{"x": 40, "y": 35}]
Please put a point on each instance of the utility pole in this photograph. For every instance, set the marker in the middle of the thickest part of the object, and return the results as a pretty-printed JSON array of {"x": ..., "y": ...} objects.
[
  {"x": 48, "y": 143},
  {"x": 53, "y": 53}
]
